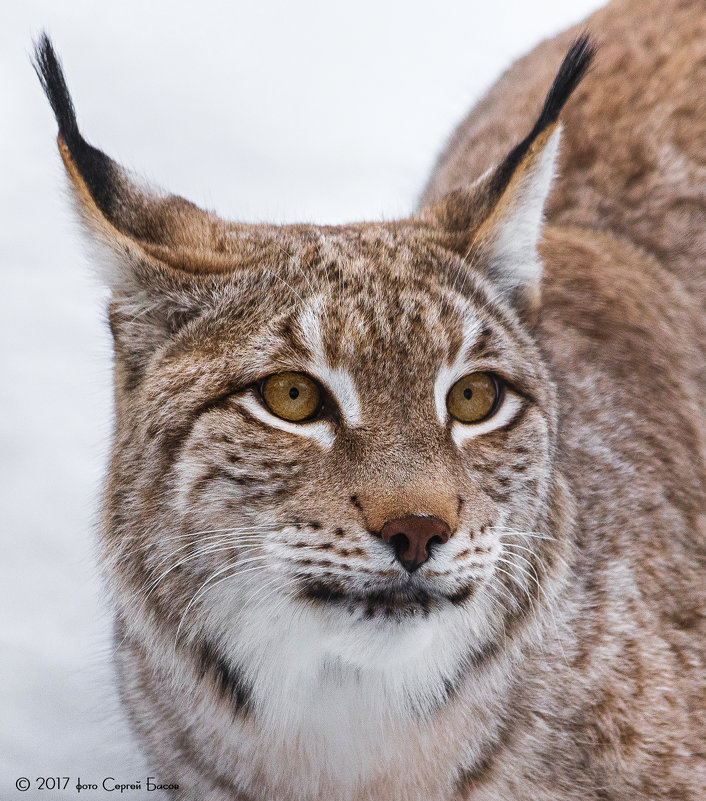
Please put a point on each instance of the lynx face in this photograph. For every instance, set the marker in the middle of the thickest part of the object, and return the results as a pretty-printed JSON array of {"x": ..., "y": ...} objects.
[{"x": 296, "y": 509}]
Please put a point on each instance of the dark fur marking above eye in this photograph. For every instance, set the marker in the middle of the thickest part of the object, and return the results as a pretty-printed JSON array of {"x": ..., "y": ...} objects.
[{"x": 483, "y": 338}]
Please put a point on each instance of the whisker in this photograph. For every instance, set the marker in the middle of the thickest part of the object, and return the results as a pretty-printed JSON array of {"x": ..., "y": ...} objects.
[
  {"x": 509, "y": 531},
  {"x": 278, "y": 588},
  {"x": 205, "y": 588},
  {"x": 279, "y": 278},
  {"x": 529, "y": 550},
  {"x": 211, "y": 540},
  {"x": 547, "y": 603},
  {"x": 203, "y": 551},
  {"x": 151, "y": 589},
  {"x": 514, "y": 580}
]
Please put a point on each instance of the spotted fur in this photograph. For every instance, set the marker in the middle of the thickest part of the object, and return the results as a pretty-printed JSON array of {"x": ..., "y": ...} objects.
[{"x": 269, "y": 644}]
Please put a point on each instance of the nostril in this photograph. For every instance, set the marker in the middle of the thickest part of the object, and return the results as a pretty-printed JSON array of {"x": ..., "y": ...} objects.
[{"x": 400, "y": 544}]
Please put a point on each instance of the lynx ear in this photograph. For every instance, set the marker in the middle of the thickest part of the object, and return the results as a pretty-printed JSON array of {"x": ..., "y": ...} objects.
[
  {"x": 158, "y": 253},
  {"x": 495, "y": 224},
  {"x": 141, "y": 226}
]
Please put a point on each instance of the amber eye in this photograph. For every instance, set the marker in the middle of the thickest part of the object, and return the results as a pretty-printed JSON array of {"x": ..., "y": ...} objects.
[
  {"x": 291, "y": 396},
  {"x": 473, "y": 398}
]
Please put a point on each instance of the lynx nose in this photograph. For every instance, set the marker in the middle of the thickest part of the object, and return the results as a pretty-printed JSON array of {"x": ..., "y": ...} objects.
[{"x": 412, "y": 537}]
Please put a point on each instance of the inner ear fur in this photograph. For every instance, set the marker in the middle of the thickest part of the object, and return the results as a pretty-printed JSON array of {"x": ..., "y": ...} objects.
[{"x": 495, "y": 223}]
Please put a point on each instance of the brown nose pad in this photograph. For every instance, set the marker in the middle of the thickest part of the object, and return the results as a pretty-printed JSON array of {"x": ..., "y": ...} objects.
[{"x": 412, "y": 537}]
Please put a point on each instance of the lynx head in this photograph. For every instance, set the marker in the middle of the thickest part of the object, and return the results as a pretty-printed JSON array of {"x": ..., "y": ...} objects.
[{"x": 346, "y": 429}]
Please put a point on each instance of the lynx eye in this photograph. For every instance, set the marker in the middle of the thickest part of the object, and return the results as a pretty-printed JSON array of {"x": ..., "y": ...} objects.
[
  {"x": 291, "y": 396},
  {"x": 474, "y": 397}
]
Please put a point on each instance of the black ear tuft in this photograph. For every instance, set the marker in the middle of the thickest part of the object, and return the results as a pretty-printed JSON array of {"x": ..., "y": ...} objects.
[
  {"x": 576, "y": 62},
  {"x": 574, "y": 66},
  {"x": 97, "y": 170},
  {"x": 51, "y": 76}
]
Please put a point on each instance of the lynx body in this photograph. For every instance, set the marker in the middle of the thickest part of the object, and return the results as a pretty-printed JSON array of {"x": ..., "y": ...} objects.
[{"x": 395, "y": 596}]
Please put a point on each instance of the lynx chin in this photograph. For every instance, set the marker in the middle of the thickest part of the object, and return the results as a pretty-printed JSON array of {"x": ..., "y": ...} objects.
[{"x": 415, "y": 510}]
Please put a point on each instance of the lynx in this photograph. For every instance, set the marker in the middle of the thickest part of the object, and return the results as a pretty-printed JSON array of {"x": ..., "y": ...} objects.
[{"x": 414, "y": 510}]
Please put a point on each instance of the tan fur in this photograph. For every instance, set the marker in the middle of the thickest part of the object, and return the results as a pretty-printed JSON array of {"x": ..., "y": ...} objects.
[
  {"x": 632, "y": 154},
  {"x": 269, "y": 646}
]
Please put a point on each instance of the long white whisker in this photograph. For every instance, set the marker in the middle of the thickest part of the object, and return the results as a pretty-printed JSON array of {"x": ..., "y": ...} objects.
[
  {"x": 529, "y": 550},
  {"x": 203, "y": 551},
  {"x": 514, "y": 580},
  {"x": 211, "y": 540},
  {"x": 509, "y": 531},
  {"x": 205, "y": 587},
  {"x": 148, "y": 591},
  {"x": 278, "y": 588},
  {"x": 547, "y": 603}
]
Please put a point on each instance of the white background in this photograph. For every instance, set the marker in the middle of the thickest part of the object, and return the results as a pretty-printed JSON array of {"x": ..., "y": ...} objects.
[{"x": 279, "y": 111}]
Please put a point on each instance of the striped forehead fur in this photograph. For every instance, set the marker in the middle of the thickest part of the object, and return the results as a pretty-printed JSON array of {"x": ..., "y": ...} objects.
[{"x": 336, "y": 379}]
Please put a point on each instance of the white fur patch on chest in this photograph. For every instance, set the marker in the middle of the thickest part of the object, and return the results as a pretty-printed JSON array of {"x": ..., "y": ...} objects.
[{"x": 343, "y": 701}]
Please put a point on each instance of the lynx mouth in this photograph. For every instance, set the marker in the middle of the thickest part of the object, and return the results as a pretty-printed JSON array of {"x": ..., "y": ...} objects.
[{"x": 385, "y": 602}]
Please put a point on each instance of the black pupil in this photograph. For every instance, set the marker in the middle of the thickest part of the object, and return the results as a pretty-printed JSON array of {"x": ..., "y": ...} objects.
[
  {"x": 467, "y": 393},
  {"x": 293, "y": 393}
]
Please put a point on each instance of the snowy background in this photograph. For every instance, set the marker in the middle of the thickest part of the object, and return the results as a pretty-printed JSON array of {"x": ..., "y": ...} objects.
[{"x": 281, "y": 111}]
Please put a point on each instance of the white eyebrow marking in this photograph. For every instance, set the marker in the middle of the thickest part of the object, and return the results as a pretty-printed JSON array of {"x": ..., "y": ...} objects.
[
  {"x": 462, "y": 432},
  {"x": 318, "y": 430},
  {"x": 336, "y": 379},
  {"x": 450, "y": 373}
]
